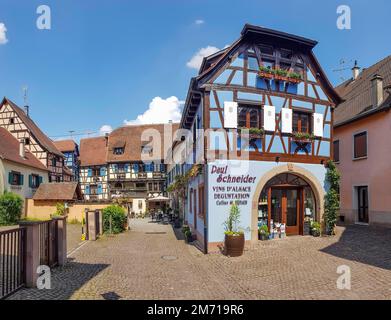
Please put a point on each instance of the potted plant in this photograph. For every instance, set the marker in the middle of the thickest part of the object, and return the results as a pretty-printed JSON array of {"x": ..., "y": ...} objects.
[
  {"x": 254, "y": 133},
  {"x": 188, "y": 236},
  {"x": 264, "y": 232},
  {"x": 303, "y": 137},
  {"x": 307, "y": 226},
  {"x": 315, "y": 229},
  {"x": 234, "y": 238}
]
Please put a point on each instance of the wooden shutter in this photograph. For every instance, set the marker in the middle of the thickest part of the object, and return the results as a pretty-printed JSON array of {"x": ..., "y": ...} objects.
[
  {"x": 21, "y": 180},
  {"x": 100, "y": 189},
  {"x": 30, "y": 180},
  {"x": 230, "y": 114},
  {"x": 90, "y": 172},
  {"x": 360, "y": 145},
  {"x": 269, "y": 118},
  {"x": 318, "y": 124},
  {"x": 10, "y": 178},
  {"x": 286, "y": 120},
  {"x": 87, "y": 190}
]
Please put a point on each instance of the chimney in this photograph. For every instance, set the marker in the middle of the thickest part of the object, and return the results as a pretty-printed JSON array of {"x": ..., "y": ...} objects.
[
  {"x": 356, "y": 70},
  {"x": 377, "y": 90},
  {"x": 22, "y": 151},
  {"x": 107, "y": 138},
  {"x": 26, "y": 110}
]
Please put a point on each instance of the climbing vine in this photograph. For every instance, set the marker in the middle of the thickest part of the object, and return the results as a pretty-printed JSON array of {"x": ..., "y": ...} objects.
[{"x": 332, "y": 197}]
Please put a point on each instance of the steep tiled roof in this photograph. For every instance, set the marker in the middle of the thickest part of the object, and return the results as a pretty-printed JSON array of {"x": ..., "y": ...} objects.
[
  {"x": 65, "y": 191},
  {"x": 65, "y": 145},
  {"x": 357, "y": 93},
  {"x": 130, "y": 138},
  {"x": 42, "y": 139},
  {"x": 9, "y": 150},
  {"x": 93, "y": 151}
]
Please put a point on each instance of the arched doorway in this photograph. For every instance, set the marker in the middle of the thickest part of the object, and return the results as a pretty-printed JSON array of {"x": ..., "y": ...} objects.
[{"x": 287, "y": 199}]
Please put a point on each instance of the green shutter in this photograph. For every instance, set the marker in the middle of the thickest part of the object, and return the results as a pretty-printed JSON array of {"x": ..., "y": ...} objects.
[
  {"x": 40, "y": 179},
  {"x": 21, "y": 181},
  {"x": 30, "y": 180},
  {"x": 10, "y": 177}
]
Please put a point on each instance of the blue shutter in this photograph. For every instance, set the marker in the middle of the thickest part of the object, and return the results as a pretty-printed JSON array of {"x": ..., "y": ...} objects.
[
  {"x": 126, "y": 167},
  {"x": 100, "y": 189},
  {"x": 161, "y": 167},
  {"x": 102, "y": 171},
  {"x": 115, "y": 167},
  {"x": 135, "y": 167},
  {"x": 87, "y": 190},
  {"x": 90, "y": 172},
  {"x": 30, "y": 180},
  {"x": 10, "y": 177},
  {"x": 21, "y": 181}
]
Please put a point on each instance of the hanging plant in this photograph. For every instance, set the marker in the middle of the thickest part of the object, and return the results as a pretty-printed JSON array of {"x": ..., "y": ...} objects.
[{"x": 332, "y": 197}]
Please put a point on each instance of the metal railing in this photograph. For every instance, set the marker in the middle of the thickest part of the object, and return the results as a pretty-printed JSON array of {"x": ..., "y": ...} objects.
[{"x": 12, "y": 260}]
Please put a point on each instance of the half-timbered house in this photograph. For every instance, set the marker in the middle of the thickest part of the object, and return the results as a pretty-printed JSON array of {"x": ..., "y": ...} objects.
[
  {"x": 136, "y": 168},
  {"x": 18, "y": 122},
  {"x": 93, "y": 168},
  {"x": 70, "y": 150},
  {"x": 261, "y": 114}
]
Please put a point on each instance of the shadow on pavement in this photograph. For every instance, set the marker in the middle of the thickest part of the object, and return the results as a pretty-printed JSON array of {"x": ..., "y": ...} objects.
[
  {"x": 364, "y": 244},
  {"x": 65, "y": 281}
]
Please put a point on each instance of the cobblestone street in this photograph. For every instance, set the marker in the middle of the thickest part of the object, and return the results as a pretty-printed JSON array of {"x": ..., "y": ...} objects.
[{"x": 149, "y": 262}]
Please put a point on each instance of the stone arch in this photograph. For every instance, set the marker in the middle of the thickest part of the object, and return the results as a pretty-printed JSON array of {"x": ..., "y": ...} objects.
[{"x": 306, "y": 175}]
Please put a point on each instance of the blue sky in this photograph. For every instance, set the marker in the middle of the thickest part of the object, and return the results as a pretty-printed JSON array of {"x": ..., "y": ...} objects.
[{"x": 104, "y": 62}]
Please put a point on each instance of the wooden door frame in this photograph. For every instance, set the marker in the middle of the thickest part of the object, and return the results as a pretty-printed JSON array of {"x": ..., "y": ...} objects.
[{"x": 299, "y": 206}]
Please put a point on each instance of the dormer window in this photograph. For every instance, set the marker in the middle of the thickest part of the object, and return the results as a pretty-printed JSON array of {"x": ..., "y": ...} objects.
[{"x": 119, "y": 151}]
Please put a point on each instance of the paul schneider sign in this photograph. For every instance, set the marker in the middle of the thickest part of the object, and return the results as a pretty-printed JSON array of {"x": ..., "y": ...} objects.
[{"x": 228, "y": 187}]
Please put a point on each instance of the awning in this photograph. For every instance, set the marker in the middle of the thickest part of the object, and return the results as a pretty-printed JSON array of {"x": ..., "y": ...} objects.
[{"x": 159, "y": 198}]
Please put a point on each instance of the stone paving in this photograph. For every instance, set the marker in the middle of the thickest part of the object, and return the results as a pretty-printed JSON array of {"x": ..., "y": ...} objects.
[{"x": 149, "y": 262}]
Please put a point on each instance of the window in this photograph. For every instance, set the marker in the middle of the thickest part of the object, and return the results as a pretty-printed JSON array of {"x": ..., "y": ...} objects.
[
  {"x": 95, "y": 172},
  {"x": 336, "y": 150},
  {"x": 140, "y": 185},
  {"x": 27, "y": 141},
  {"x": 360, "y": 145},
  {"x": 150, "y": 188},
  {"x": 140, "y": 204},
  {"x": 191, "y": 201},
  {"x": 119, "y": 151},
  {"x": 12, "y": 120},
  {"x": 249, "y": 117},
  {"x": 201, "y": 204},
  {"x": 15, "y": 178},
  {"x": 301, "y": 122},
  {"x": 34, "y": 181},
  {"x": 93, "y": 189},
  {"x": 54, "y": 162}
]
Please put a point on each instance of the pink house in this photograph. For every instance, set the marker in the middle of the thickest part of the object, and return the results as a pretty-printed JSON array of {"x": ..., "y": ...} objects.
[{"x": 362, "y": 145}]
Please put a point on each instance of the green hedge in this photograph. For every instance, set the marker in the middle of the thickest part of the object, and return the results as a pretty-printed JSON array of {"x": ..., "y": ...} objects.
[
  {"x": 118, "y": 219},
  {"x": 11, "y": 206}
]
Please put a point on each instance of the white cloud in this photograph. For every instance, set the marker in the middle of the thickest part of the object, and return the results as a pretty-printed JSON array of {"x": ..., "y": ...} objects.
[
  {"x": 105, "y": 129},
  {"x": 196, "y": 61},
  {"x": 160, "y": 111},
  {"x": 199, "y": 21},
  {"x": 3, "y": 36}
]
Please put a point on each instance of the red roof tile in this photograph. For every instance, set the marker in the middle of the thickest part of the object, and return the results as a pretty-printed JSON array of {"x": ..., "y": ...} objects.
[{"x": 9, "y": 150}]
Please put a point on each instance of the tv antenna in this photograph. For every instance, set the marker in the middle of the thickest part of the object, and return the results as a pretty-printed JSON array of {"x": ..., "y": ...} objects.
[
  {"x": 25, "y": 90},
  {"x": 71, "y": 132},
  {"x": 343, "y": 66}
]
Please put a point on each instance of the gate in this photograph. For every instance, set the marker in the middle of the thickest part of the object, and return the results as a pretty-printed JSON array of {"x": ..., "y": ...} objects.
[
  {"x": 48, "y": 243},
  {"x": 12, "y": 260}
]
